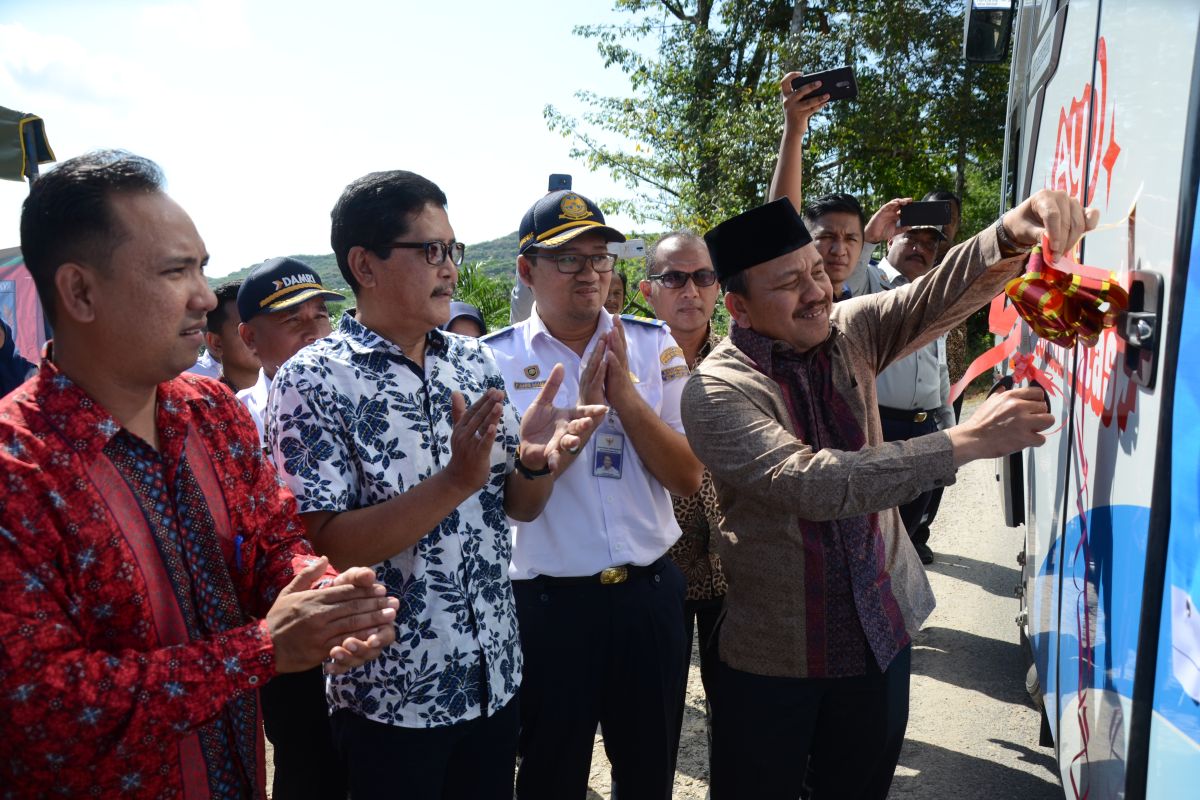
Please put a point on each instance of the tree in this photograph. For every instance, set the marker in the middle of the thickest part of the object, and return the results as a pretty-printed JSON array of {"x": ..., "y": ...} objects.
[
  {"x": 489, "y": 295},
  {"x": 697, "y": 138}
]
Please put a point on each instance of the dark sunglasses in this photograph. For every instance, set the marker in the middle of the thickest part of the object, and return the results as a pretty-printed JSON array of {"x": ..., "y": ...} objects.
[{"x": 677, "y": 279}]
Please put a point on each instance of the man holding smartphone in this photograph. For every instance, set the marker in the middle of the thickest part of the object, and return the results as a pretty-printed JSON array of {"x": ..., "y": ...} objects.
[{"x": 914, "y": 392}]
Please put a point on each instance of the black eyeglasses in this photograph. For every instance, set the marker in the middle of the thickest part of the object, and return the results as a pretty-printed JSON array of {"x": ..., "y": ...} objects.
[
  {"x": 435, "y": 252},
  {"x": 677, "y": 279},
  {"x": 573, "y": 264}
]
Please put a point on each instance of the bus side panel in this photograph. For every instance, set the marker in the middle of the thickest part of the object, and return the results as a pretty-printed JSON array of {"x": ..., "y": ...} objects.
[
  {"x": 1174, "y": 758},
  {"x": 1046, "y": 476},
  {"x": 1131, "y": 163}
]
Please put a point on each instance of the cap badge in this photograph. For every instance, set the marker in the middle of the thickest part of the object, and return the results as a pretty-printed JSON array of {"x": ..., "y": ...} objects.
[
  {"x": 574, "y": 207},
  {"x": 532, "y": 371}
]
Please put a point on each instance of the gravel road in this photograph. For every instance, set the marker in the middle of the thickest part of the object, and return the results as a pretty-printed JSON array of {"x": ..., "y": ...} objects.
[{"x": 972, "y": 732}]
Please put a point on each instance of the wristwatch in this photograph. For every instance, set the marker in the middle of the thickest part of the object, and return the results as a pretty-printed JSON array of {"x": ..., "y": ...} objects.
[
  {"x": 1009, "y": 248},
  {"x": 530, "y": 474}
]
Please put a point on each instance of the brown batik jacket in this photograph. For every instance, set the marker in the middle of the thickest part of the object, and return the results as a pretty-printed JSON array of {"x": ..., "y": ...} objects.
[{"x": 794, "y": 584}]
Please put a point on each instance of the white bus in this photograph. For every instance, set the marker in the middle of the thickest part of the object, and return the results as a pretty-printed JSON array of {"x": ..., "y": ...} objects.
[{"x": 1104, "y": 103}]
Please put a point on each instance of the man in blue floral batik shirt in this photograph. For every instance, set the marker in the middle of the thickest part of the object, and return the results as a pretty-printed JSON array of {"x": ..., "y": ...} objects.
[{"x": 405, "y": 453}]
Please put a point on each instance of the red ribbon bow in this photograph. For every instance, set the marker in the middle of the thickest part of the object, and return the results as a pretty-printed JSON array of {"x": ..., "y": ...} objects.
[{"x": 1065, "y": 307}]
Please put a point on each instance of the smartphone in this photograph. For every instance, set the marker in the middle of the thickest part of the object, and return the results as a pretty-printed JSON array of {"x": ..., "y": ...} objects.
[
  {"x": 925, "y": 212},
  {"x": 631, "y": 248},
  {"x": 559, "y": 182},
  {"x": 837, "y": 83}
]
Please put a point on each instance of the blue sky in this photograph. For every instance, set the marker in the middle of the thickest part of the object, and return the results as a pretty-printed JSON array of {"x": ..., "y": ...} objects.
[{"x": 261, "y": 111}]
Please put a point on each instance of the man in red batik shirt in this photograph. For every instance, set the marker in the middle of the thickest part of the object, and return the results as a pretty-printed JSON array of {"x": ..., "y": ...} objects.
[{"x": 152, "y": 569}]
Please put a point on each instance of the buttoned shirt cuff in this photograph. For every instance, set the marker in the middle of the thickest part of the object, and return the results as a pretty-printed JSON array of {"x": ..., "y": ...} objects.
[{"x": 250, "y": 656}]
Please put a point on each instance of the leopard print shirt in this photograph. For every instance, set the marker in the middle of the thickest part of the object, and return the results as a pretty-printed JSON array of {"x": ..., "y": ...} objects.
[{"x": 696, "y": 551}]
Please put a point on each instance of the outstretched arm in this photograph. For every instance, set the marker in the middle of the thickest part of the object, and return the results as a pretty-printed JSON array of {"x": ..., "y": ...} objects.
[{"x": 788, "y": 177}]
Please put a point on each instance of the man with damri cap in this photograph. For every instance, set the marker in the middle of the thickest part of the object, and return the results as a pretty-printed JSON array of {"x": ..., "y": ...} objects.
[
  {"x": 282, "y": 305},
  {"x": 599, "y": 602},
  {"x": 825, "y": 592}
]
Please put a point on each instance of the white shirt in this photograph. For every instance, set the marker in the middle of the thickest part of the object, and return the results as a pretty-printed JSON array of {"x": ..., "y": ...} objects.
[
  {"x": 255, "y": 401},
  {"x": 920, "y": 381},
  {"x": 206, "y": 365},
  {"x": 592, "y": 522},
  {"x": 866, "y": 277}
]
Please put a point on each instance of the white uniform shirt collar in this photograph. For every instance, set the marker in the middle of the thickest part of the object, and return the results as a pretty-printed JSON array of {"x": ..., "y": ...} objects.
[{"x": 537, "y": 328}]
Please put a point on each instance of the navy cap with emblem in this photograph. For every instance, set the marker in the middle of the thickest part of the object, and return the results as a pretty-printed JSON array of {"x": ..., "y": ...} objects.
[
  {"x": 755, "y": 237},
  {"x": 278, "y": 284},
  {"x": 558, "y": 218}
]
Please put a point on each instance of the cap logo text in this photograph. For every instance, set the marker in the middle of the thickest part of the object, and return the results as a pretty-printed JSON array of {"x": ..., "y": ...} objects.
[{"x": 293, "y": 280}]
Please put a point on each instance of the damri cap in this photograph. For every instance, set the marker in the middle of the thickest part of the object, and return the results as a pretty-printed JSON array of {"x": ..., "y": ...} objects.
[
  {"x": 279, "y": 284},
  {"x": 559, "y": 217},
  {"x": 755, "y": 237}
]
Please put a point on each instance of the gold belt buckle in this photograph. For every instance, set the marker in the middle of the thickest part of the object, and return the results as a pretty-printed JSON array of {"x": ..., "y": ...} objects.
[
  {"x": 614, "y": 575},
  {"x": 920, "y": 416}
]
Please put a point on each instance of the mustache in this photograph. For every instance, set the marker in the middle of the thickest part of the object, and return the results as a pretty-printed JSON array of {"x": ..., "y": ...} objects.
[
  {"x": 445, "y": 290},
  {"x": 808, "y": 308}
]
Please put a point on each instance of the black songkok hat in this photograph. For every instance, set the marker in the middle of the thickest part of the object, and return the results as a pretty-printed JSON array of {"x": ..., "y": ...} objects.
[{"x": 755, "y": 237}]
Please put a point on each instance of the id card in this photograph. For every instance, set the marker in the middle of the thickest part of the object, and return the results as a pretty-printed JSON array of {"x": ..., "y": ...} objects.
[{"x": 609, "y": 454}]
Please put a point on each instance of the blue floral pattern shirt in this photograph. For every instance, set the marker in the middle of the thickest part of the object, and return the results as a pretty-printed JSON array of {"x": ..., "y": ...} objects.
[{"x": 352, "y": 422}]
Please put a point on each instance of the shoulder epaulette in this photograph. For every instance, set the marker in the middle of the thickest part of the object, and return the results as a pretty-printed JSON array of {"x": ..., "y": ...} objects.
[
  {"x": 503, "y": 333},
  {"x": 649, "y": 321}
]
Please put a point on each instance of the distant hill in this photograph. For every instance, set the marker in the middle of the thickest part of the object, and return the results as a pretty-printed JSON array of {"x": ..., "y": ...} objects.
[{"x": 497, "y": 257}]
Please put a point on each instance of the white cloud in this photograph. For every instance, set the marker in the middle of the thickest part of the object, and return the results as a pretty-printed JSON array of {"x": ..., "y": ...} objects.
[{"x": 56, "y": 66}]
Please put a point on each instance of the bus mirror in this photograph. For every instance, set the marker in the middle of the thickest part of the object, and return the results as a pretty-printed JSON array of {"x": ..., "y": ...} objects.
[{"x": 987, "y": 31}]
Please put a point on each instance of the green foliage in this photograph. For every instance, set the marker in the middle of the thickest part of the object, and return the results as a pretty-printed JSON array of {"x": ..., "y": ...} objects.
[
  {"x": 489, "y": 295},
  {"x": 325, "y": 266},
  {"x": 697, "y": 139}
]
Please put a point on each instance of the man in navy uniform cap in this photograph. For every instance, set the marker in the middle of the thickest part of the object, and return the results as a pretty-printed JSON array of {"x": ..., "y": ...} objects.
[
  {"x": 283, "y": 307},
  {"x": 825, "y": 589},
  {"x": 599, "y": 602}
]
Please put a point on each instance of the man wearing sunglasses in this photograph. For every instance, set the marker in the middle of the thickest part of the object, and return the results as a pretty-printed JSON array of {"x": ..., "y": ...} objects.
[
  {"x": 405, "y": 453},
  {"x": 682, "y": 289},
  {"x": 600, "y": 604}
]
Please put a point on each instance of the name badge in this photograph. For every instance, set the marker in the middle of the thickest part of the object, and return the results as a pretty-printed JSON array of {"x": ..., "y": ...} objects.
[{"x": 608, "y": 460}]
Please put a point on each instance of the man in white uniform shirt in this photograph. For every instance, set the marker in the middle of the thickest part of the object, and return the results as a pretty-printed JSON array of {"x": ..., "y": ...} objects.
[
  {"x": 282, "y": 305},
  {"x": 600, "y": 606},
  {"x": 914, "y": 392}
]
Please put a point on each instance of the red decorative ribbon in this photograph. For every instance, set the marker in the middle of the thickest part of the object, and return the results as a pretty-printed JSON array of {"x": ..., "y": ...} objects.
[
  {"x": 1023, "y": 369},
  {"x": 1065, "y": 307}
]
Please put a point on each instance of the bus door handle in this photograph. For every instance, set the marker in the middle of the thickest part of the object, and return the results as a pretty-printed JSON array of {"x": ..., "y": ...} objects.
[{"x": 1141, "y": 326}]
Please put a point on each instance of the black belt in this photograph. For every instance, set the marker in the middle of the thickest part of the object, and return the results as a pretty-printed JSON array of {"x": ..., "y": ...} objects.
[
  {"x": 605, "y": 577},
  {"x": 906, "y": 415}
]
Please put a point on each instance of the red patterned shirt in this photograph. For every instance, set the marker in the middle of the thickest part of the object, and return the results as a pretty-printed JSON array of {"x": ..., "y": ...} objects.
[{"x": 128, "y": 658}]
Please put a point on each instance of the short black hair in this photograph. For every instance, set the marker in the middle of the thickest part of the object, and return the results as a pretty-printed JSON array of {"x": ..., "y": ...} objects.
[
  {"x": 838, "y": 202},
  {"x": 226, "y": 295},
  {"x": 624, "y": 281},
  {"x": 67, "y": 215},
  {"x": 736, "y": 283},
  {"x": 374, "y": 210},
  {"x": 942, "y": 194},
  {"x": 683, "y": 234}
]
